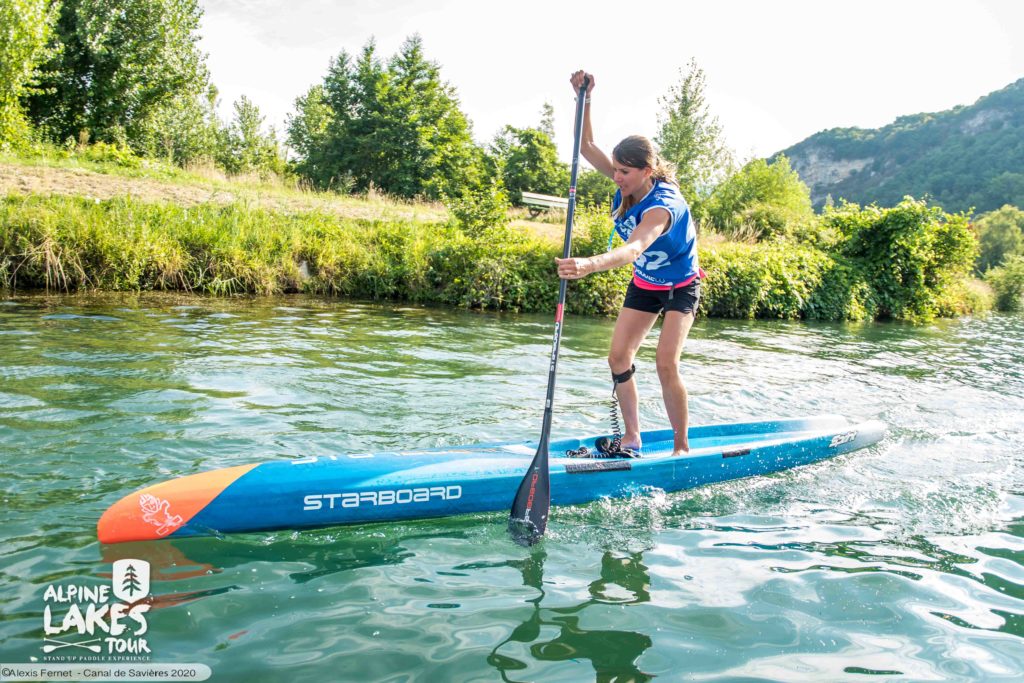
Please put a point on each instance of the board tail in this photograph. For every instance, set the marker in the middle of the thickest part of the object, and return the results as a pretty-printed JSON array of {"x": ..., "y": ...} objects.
[{"x": 158, "y": 511}]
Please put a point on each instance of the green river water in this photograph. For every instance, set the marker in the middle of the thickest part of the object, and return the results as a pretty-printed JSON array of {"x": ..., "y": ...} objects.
[{"x": 904, "y": 561}]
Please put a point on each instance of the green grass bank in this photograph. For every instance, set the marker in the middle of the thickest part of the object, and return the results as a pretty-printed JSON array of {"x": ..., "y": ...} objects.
[{"x": 74, "y": 243}]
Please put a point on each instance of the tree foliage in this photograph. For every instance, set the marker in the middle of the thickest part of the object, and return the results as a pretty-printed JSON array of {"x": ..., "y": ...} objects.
[
  {"x": 691, "y": 137},
  {"x": 528, "y": 162},
  {"x": 968, "y": 156},
  {"x": 479, "y": 210},
  {"x": 396, "y": 126},
  {"x": 245, "y": 147},
  {"x": 914, "y": 254},
  {"x": 26, "y": 26},
  {"x": 117, "y": 65},
  {"x": 1000, "y": 236},
  {"x": 594, "y": 188},
  {"x": 547, "y": 120},
  {"x": 766, "y": 199},
  {"x": 308, "y": 131},
  {"x": 1008, "y": 282},
  {"x": 185, "y": 130}
]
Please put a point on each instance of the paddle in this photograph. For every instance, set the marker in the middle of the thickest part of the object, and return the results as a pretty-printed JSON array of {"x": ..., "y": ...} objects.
[{"x": 529, "y": 516}]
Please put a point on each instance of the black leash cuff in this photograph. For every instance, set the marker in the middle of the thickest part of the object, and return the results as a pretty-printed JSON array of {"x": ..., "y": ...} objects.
[{"x": 623, "y": 376}]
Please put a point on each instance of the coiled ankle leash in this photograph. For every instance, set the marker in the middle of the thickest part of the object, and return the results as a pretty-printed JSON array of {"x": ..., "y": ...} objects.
[{"x": 610, "y": 448}]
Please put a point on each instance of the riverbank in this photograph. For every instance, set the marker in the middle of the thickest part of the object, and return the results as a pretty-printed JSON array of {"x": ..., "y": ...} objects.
[
  {"x": 149, "y": 181},
  {"x": 67, "y": 228}
]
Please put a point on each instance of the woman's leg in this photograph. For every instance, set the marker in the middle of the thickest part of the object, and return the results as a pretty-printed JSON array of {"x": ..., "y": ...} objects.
[
  {"x": 674, "y": 330},
  {"x": 630, "y": 329}
]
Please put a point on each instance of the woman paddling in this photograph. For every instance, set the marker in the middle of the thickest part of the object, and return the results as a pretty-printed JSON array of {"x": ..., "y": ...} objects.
[{"x": 652, "y": 217}]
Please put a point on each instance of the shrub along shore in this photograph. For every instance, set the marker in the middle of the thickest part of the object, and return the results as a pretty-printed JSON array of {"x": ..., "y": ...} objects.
[{"x": 909, "y": 262}]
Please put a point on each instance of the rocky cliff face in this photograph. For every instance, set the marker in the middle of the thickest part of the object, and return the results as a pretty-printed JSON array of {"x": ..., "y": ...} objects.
[
  {"x": 968, "y": 156},
  {"x": 820, "y": 169}
]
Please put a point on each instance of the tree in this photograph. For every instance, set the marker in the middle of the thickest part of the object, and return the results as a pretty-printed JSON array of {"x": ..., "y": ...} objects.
[
  {"x": 547, "y": 120},
  {"x": 116, "y": 64},
  {"x": 594, "y": 188},
  {"x": 246, "y": 148},
  {"x": 185, "y": 130},
  {"x": 396, "y": 126},
  {"x": 308, "y": 134},
  {"x": 1000, "y": 236},
  {"x": 27, "y": 26},
  {"x": 767, "y": 199},
  {"x": 691, "y": 138},
  {"x": 529, "y": 163},
  {"x": 131, "y": 582}
]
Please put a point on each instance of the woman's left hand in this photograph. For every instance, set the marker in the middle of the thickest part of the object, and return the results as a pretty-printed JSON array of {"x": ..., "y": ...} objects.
[{"x": 573, "y": 268}]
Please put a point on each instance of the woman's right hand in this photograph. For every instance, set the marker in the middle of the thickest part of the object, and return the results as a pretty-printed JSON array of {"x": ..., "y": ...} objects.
[
  {"x": 574, "y": 268},
  {"x": 577, "y": 81}
]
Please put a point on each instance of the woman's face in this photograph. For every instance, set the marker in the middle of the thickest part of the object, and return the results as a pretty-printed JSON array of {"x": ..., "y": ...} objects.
[{"x": 632, "y": 181}]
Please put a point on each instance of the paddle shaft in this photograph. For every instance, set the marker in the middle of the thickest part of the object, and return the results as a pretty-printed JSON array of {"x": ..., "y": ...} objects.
[
  {"x": 545, "y": 433},
  {"x": 529, "y": 515}
]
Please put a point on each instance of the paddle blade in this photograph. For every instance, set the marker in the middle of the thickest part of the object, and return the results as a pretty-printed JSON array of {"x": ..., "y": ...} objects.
[{"x": 529, "y": 516}]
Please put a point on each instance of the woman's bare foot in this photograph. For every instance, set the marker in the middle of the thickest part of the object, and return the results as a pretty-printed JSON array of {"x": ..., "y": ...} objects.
[{"x": 632, "y": 442}]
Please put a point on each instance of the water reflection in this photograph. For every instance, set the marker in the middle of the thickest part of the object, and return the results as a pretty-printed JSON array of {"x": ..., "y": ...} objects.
[
  {"x": 324, "y": 552},
  {"x": 906, "y": 559},
  {"x": 548, "y": 634},
  {"x": 612, "y": 653}
]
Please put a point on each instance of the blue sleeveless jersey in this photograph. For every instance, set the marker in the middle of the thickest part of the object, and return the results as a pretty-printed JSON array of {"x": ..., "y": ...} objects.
[{"x": 672, "y": 258}]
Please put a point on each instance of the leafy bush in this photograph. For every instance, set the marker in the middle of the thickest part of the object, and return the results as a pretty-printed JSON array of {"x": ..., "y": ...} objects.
[
  {"x": 593, "y": 188},
  {"x": 106, "y": 153},
  {"x": 767, "y": 199},
  {"x": 477, "y": 210},
  {"x": 965, "y": 297},
  {"x": 123, "y": 244},
  {"x": 600, "y": 292},
  {"x": 912, "y": 253},
  {"x": 782, "y": 281},
  {"x": 1000, "y": 235},
  {"x": 1008, "y": 282}
]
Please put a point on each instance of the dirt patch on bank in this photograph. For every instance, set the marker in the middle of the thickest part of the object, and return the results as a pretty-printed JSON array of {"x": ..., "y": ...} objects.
[
  {"x": 80, "y": 182},
  {"x": 84, "y": 183}
]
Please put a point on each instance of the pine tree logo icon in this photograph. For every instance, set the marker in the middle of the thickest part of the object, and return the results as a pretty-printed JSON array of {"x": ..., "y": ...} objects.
[{"x": 130, "y": 580}]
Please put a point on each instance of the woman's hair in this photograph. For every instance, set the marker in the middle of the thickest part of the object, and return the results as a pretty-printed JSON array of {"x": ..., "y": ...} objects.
[{"x": 636, "y": 151}]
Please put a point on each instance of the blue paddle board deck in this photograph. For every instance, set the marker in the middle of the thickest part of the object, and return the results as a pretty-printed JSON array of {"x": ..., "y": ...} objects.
[{"x": 355, "y": 488}]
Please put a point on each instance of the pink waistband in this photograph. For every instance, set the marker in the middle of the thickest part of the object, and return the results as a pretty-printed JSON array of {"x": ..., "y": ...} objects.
[{"x": 664, "y": 288}]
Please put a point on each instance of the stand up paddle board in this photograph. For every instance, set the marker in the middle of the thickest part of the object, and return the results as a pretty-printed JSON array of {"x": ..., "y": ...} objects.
[{"x": 356, "y": 488}]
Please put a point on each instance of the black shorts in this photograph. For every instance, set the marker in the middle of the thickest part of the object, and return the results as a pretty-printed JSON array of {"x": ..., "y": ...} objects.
[{"x": 684, "y": 299}]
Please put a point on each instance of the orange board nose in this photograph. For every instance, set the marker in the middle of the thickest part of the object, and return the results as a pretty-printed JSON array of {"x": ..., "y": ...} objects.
[{"x": 158, "y": 511}]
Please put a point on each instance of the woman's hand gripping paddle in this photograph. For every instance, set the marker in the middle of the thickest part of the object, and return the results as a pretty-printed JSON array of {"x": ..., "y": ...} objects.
[{"x": 529, "y": 516}]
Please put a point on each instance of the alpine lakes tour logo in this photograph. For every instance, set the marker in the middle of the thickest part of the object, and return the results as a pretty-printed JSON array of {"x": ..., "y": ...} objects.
[{"x": 101, "y": 622}]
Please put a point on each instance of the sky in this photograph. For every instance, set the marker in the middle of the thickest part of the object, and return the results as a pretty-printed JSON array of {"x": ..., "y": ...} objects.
[{"x": 776, "y": 71}]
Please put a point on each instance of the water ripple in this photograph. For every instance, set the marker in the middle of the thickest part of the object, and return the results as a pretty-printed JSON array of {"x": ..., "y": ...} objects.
[{"x": 902, "y": 562}]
